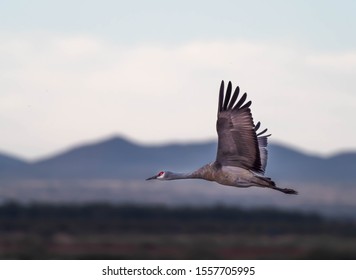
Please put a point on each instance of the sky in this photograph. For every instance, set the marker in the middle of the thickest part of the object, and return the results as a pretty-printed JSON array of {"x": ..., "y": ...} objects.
[{"x": 73, "y": 72}]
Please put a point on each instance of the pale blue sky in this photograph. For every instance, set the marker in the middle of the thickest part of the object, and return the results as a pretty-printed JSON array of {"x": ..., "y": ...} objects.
[{"x": 74, "y": 71}]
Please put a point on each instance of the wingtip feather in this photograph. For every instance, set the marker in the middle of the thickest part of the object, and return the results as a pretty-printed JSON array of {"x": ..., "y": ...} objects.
[
  {"x": 227, "y": 95},
  {"x": 221, "y": 96},
  {"x": 234, "y": 98}
]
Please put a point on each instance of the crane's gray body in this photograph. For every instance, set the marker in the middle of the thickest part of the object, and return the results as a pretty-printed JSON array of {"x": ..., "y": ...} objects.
[
  {"x": 232, "y": 176},
  {"x": 224, "y": 175},
  {"x": 242, "y": 150}
]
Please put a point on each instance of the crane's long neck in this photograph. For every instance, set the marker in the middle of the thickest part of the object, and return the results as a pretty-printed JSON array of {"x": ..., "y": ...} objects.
[
  {"x": 177, "y": 176},
  {"x": 205, "y": 172}
]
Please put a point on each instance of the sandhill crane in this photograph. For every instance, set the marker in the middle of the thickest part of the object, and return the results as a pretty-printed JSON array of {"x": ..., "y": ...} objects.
[{"x": 242, "y": 149}]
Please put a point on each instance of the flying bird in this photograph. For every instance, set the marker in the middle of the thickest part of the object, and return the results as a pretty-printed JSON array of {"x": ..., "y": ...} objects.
[{"x": 242, "y": 148}]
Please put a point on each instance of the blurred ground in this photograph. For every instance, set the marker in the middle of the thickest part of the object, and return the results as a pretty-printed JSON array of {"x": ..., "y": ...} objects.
[{"x": 100, "y": 231}]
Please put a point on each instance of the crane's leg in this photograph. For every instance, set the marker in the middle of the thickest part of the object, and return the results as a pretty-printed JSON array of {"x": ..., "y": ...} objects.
[
  {"x": 268, "y": 183},
  {"x": 285, "y": 190}
]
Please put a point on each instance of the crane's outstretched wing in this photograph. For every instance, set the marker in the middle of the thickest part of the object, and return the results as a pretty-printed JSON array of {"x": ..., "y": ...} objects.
[{"x": 239, "y": 143}]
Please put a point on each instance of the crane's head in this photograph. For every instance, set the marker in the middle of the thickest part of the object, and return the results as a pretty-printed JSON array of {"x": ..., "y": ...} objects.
[{"x": 160, "y": 176}]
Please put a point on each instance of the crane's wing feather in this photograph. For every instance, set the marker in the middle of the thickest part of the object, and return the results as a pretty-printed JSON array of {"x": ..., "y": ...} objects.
[
  {"x": 262, "y": 139},
  {"x": 238, "y": 142}
]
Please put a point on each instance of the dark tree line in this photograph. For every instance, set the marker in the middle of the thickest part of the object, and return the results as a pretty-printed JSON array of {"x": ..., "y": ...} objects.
[{"x": 99, "y": 218}]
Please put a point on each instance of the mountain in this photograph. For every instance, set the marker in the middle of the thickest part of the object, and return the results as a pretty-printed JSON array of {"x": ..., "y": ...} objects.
[
  {"x": 292, "y": 165},
  {"x": 9, "y": 163},
  {"x": 118, "y": 158}
]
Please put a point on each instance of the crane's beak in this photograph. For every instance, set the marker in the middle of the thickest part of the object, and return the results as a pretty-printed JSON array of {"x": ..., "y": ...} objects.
[{"x": 151, "y": 178}]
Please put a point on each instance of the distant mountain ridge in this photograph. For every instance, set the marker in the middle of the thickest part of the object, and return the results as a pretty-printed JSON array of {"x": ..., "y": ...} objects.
[
  {"x": 118, "y": 158},
  {"x": 9, "y": 162}
]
